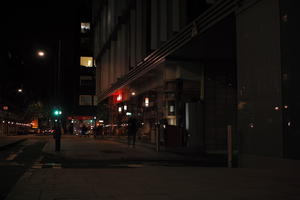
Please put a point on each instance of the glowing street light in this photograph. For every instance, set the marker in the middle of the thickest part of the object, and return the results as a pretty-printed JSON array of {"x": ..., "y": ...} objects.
[
  {"x": 20, "y": 90},
  {"x": 41, "y": 53},
  {"x": 146, "y": 101}
]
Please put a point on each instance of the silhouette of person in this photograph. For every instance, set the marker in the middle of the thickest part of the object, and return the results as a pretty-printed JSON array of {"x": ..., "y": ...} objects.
[
  {"x": 132, "y": 130},
  {"x": 84, "y": 129},
  {"x": 98, "y": 131}
]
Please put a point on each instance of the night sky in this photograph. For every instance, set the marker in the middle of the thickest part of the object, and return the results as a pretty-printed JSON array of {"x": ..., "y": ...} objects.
[{"x": 31, "y": 26}]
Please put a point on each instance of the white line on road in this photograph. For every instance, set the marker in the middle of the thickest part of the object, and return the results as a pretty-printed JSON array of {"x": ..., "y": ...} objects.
[{"x": 14, "y": 155}]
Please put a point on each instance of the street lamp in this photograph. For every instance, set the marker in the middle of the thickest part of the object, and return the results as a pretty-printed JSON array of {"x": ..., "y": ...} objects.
[{"x": 41, "y": 53}]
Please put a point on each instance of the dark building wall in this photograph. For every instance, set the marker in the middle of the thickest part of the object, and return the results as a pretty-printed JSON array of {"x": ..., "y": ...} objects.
[
  {"x": 259, "y": 81},
  {"x": 289, "y": 18}
]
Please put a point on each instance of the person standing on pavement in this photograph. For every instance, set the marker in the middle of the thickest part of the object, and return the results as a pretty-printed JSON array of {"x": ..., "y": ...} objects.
[
  {"x": 84, "y": 129},
  {"x": 132, "y": 130},
  {"x": 57, "y": 136},
  {"x": 98, "y": 131}
]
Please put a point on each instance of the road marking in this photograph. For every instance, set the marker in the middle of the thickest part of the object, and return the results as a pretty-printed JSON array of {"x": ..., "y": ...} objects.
[
  {"x": 10, "y": 164},
  {"x": 135, "y": 165},
  {"x": 14, "y": 155},
  {"x": 46, "y": 165},
  {"x": 37, "y": 166},
  {"x": 11, "y": 156}
]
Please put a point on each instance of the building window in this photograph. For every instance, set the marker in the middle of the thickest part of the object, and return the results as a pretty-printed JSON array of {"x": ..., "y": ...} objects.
[
  {"x": 85, "y": 100},
  {"x": 86, "y": 61},
  {"x": 88, "y": 100},
  {"x": 95, "y": 100},
  {"x": 171, "y": 107},
  {"x": 84, "y": 41},
  {"x": 85, "y": 27},
  {"x": 86, "y": 81}
]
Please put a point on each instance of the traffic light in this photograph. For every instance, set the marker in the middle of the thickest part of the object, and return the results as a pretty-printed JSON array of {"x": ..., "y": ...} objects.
[{"x": 57, "y": 112}]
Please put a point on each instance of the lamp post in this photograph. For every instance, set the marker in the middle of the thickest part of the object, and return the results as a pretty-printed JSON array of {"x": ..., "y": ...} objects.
[{"x": 57, "y": 74}]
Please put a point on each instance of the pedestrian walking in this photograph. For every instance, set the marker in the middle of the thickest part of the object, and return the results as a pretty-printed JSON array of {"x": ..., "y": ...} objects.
[
  {"x": 164, "y": 128},
  {"x": 132, "y": 130}
]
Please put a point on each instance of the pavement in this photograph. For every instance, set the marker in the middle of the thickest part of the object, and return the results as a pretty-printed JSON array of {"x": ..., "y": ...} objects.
[
  {"x": 110, "y": 149},
  {"x": 145, "y": 180}
]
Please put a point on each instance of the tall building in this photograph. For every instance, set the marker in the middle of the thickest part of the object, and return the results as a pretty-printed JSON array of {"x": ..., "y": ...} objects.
[
  {"x": 209, "y": 68},
  {"x": 85, "y": 110}
]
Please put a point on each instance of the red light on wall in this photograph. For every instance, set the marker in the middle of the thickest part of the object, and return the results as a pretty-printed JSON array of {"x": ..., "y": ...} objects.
[{"x": 119, "y": 97}]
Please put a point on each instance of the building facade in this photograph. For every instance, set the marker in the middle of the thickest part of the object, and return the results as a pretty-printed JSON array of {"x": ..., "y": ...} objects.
[
  {"x": 85, "y": 100},
  {"x": 206, "y": 68}
]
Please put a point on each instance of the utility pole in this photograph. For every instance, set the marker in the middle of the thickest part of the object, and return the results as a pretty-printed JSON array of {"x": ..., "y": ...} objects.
[
  {"x": 57, "y": 111},
  {"x": 57, "y": 94}
]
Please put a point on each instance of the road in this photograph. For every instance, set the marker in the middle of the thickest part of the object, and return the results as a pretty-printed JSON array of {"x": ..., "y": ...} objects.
[
  {"x": 14, "y": 161},
  {"x": 89, "y": 169}
]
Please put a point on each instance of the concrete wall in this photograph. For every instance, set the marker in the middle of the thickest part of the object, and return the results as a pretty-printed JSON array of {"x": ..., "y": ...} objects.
[{"x": 259, "y": 81}]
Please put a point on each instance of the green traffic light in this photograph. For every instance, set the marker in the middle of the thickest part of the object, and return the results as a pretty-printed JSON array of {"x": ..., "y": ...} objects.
[{"x": 57, "y": 112}]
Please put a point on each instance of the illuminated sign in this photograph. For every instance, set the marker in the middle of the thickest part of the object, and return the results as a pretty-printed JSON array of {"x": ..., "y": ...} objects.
[{"x": 35, "y": 123}]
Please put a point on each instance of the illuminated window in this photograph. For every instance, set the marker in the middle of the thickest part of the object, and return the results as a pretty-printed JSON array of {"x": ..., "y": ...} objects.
[
  {"x": 85, "y": 27},
  {"x": 171, "y": 110},
  {"x": 86, "y": 61}
]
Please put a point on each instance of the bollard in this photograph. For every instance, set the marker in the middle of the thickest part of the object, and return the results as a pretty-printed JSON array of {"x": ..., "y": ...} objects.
[
  {"x": 157, "y": 138},
  {"x": 229, "y": 146}
]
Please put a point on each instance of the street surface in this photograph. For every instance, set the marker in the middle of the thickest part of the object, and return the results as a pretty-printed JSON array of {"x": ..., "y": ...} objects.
[{"x": 88, "y": 168}]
